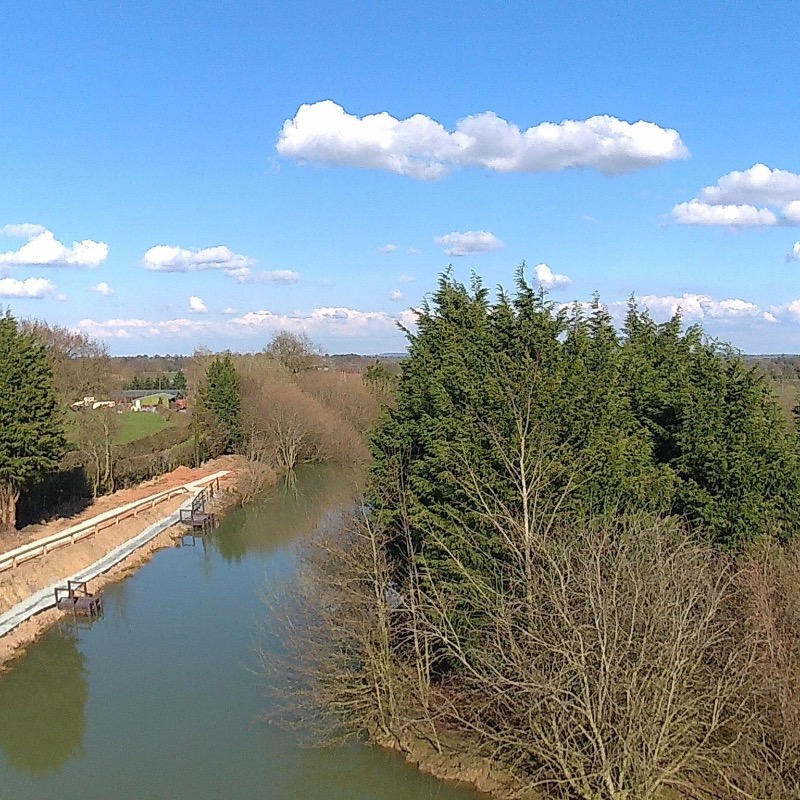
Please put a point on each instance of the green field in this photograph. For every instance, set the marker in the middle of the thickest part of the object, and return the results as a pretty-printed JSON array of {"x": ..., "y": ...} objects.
[{"x": 137, "y": 425}]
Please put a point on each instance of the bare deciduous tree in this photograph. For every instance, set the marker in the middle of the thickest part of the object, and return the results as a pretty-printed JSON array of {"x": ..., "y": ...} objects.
[
  {"x": 334, "y": 673},
  {"x": 95, "y": 437},
  {"x": 598, "y": 659}
]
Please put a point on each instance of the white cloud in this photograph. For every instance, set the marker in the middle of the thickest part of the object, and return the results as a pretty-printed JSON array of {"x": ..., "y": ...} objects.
[
  {"x": 758, "y": 185},
  {"x": 412, "y": 251},
  {"x": 283, "y": 277},
  {"x": 229, "y": 311},
  {"x": 43, "y": 249},
  {"x": 24, "y": 230},
  {"x": 166, "y": 258},
  {"x": 328, "y": 321},
  {"x": 702, "y": 306},
  {"x": 791, "y": 212},
  {"x": 549, "y": 279},
  {"x": 751, "y": 198},
  {"x": 406, "y": 278},
  {"x": 420, "y": 147},
  {"x": 794, "y": 253},
  {"x": 388, "y": 248},
  {"x": 791, "y": 309},
  {"x": 103, "y": 288},
  {"x": 395, "y": 295},
  {"x": 29, "y": 288},
  {"x": 141, "y": 328},
  {"x": 197, "y": 305},
  {"x": 468, "y": 243},
  {"x": 733, "y": 216},
  {"x": 324, "y": 322}
]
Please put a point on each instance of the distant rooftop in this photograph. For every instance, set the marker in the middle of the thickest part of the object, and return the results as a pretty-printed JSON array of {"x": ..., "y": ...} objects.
[{"x": 135, "y": 394}]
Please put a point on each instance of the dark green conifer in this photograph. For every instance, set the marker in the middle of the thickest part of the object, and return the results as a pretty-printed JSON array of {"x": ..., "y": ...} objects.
[
  {"x": 221, "y": 406},
  {"x": 31, "y": 422}
]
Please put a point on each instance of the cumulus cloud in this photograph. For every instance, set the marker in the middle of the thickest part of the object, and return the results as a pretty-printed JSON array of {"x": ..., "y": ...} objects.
[
  {"x": 333, "y": 322},
  {"x": 549, "y": 279},
  {"x": 24, "y": 230},
  {"x": 755, "y": 186},
  {"x": 29, "y": 288},
  {"x": 141, "y": 328},
  {"x": 229, "y": 311},
  {"x": 791, "y": 309},
  {"x": 388, "y": 248},
  {"x": 794, "y": 253},
  {"x": 412, "y": 251},
  {"x": 733, "y": 216},
  {"x": 166, "y": 258},
  {"x": 283, "y": 277},
  {"x": 791, "y": 212},
  {"x": 406, "y": 278},
  {"x": 420, "y": 147},
  {"x": 328, "y": 321},
  {"x": 395, "y": 295},
  {"x": 751, "y": 198},
  {"x": 702, "y": 306},
  {"x": 103, "y": 288},
  {"x": 197, "y": 305},
  {"x": 42, "y": 249},
  {"x": 468, "y": 243}
]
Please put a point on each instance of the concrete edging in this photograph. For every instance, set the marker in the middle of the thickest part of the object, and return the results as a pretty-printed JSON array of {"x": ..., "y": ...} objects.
[{"x": 45, "y": 598}]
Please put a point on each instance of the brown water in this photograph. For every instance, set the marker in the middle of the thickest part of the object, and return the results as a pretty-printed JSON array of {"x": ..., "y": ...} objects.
[{"x": 156, "y": 700}]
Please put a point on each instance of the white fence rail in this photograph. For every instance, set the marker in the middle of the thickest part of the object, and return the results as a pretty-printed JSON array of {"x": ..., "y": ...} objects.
[{"x": 89, "y": 527}]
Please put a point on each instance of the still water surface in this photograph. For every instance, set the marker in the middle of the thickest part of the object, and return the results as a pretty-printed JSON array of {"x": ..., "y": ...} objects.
[{"x": 156, "y": 700}]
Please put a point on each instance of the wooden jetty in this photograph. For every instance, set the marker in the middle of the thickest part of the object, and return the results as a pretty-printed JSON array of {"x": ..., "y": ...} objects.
[
  {"x": 196, "y": 516},
  {"x": 77, "y": 598}
]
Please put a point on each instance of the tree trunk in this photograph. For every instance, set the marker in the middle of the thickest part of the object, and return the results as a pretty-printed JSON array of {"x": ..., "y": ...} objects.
[{"x": 9, "y": 494}]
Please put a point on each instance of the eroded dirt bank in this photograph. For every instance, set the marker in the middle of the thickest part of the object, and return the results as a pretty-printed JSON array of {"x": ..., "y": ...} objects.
[{"x": 31, "y": 576}]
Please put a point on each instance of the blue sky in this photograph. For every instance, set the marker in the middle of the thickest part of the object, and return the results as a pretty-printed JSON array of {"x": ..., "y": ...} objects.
[{"x": 183, "y": 174}]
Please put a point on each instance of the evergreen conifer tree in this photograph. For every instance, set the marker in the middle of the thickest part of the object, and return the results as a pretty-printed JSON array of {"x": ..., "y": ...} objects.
[
  {"x": 221, "y": 402},
  {"x": 31, "y": 422}
]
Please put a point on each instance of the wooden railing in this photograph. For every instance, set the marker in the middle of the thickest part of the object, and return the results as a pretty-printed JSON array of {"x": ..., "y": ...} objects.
[{"x": 89, "y": 527}]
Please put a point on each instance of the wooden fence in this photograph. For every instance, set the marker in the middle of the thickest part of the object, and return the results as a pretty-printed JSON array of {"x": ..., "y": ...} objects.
[{"x": 89, "y": 527}]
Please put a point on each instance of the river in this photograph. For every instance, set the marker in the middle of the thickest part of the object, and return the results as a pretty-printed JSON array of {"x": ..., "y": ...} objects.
[{"x": 156, "y": 701}]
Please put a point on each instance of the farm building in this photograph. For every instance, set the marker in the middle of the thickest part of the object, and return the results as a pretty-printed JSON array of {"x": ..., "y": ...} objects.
[{"x": 139, "y": 399}]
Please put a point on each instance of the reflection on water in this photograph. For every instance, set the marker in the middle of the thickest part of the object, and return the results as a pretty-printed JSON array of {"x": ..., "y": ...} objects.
[
  {"x": 293, "y": 511},
  {"x": 157, "y": 701},
  {"x": 43, "y": 705}
]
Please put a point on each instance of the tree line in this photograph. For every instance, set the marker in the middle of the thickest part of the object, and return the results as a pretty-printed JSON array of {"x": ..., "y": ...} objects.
[
  {"x": 278, "y": 408},
  {"x": 577, "y": 558}
]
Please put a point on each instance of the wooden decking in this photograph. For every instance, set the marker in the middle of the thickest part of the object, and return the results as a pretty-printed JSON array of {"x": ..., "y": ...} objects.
[
  {"x": 77, "y": 598},
  {"x": 196, "y": 516}
]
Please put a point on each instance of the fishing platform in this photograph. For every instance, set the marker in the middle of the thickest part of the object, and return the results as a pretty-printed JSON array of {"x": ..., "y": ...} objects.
[
  {"x": 195, "y": 515},
  {"x": 77, "y": 598}
]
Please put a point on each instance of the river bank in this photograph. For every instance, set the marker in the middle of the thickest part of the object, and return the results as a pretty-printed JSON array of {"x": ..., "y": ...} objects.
[
  {"x": 31, "y": 576},
  {"x": 159, "y": 698},
  {"x": 447, "y": 765},
  {"x": 450, "y": 764}
]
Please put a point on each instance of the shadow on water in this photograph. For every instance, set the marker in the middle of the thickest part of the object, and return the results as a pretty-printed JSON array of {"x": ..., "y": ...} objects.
[{"x": 43, "y": 705}]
